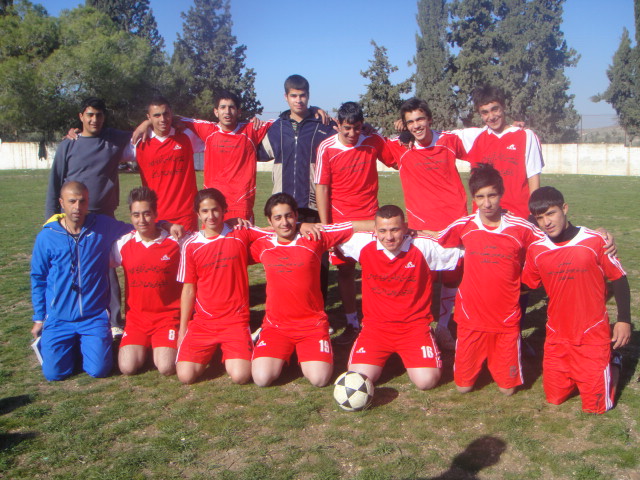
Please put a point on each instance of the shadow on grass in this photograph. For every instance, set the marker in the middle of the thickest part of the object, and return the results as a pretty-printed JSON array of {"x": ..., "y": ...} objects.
[
  {"x": 9, "y": 404},
  {"x": 630, "y": 354},
  {"x": 481, "y": 453},
  {"x": 383, "y": 396},
  {"x": 10, "y": 440}
]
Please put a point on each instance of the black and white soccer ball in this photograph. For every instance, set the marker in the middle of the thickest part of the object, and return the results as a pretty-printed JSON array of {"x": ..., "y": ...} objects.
[{"x": 353, "y": 391}]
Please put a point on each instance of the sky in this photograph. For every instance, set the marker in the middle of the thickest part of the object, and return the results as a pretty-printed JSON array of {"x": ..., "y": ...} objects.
[{"x": 329, "y": 43}]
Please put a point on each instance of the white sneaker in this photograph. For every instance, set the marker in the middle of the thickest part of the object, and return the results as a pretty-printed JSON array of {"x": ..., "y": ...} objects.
[
  {"x": 116, "y": 331},
  {"x": 444, "y": 338},
  {"x": 256, "y": 335}
]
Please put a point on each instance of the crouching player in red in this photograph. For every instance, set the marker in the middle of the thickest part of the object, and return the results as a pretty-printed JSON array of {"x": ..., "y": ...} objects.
[
  {"x": 213, "y": 269},
  {"x": 571, "y": 263},
  {"x": 295, "y": 318},
  {"x": 487, "y": 303},
  {"x": 150, "y": 259},
  {"x": 396, "y": 298}
]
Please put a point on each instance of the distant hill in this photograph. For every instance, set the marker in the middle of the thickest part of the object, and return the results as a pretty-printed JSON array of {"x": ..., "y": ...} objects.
[{"x": 614, "y": 134}]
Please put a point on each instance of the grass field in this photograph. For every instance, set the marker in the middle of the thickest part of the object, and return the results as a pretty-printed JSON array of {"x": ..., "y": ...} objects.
[{"x": 148, "y": 427}]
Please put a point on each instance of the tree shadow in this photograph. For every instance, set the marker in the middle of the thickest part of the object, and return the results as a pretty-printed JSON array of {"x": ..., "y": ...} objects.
[
  {"x": 481, "y": 453},
  {"x": 10, "y": 440}
]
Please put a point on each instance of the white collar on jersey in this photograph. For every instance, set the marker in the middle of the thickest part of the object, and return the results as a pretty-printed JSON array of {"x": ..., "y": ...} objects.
[
  {"x": 406, "y": 244},
  {"x": 172, "y": 132},
  {"x": 274, "y": 240},
  {"x": 225, "y": 231},
  {"x": 159, "y": 239},
  {"x": 507, "y": 129},
  {"x": 435, "y": 136}
]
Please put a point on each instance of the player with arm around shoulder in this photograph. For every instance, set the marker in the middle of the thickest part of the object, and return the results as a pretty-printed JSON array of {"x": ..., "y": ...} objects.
[
  {"x": 396, "y": 298},
  {"x": 571, "y": 264},
  {"x": 150, "y": 258}
]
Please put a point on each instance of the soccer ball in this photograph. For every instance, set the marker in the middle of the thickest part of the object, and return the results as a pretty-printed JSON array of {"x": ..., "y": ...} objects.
[{"x": 353, "y": 391}]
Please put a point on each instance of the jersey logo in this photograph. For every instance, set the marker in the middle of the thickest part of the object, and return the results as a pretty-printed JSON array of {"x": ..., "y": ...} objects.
[
  {"x": 178, "y": 147},
  {"x": 166, "y": 258},
  {"x": 361, "y": 350},
  {"x": 261, "y": 343},
  {"x": 511, "y": 147},
  {"x": 410, "y": 265}
]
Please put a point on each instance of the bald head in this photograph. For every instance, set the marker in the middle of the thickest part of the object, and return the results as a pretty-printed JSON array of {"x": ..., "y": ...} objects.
[
  {"x": 72, "y": 186},
  {"x": 74, "y": 200}
]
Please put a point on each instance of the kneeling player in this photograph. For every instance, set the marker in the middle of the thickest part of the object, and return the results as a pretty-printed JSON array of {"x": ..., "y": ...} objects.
[
  {"x": 571, "y": 264},
  {"x": 487, "y": 303},
  {"x": 213, "y": 268},
  {"x": 396, "y": 298},
  {"x": 295, "y": 318},
  {"x": 150, "y": 259}
]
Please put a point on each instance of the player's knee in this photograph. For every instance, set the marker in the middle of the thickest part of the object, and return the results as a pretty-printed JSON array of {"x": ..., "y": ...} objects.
[
  {"x": 319, "y": 379},
  {"x": 427, "y": 383},
  {"x": 262, "y": 378},
  {"x": 166, "y": 369},
  {"x": 55, "y": 375},
  {"x": 507, "y": 392},
  {"x": 464, "y": 389},
  {"x": 186, "y": 375},
  {"x": 127, "y": 368},
  {"x": 240, "y": 377}
]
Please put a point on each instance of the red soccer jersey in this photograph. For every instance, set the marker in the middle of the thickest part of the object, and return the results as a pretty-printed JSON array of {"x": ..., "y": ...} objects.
[
  {"x": 515, "y": 153},
  {"x": 573, "y": 274},
  {"x": 230, "y": 161},
  {"x": 487, "y": 298},
  {"x": 150, "y": 270},
  {"x": 351, "y": 173},
  {"x": 218, "y": 268},
  {"x": 166, "y": 166},
  {"x": 433, "y": 192},
  {"x": 397, "y": 288},
  {"x": 294, "y": 297}
]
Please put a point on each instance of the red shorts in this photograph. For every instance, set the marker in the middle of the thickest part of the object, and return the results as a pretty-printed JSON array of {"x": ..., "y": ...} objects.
[
  {"x": 413, "y": 342},
  {"x": 337, "y": 259},
  {"x": 311, "y": 345},
  {"x": 162, "y": 332},
  {"x": 202, "y": 339},
  {"x": 501, "y": 350},
  {"x": 585, "y": 367},
  {"x": 189, "y": 222}
]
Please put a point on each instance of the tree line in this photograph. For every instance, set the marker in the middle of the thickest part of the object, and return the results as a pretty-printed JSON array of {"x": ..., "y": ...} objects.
[{"x": 47, "y": 65}]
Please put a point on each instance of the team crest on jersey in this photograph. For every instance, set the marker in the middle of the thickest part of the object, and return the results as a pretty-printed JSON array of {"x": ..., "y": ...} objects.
[
  {"x": 361, "y": 350},
  {"x": 178, "y": 147},
  {"x": 410, "y": 265},
  {"x": 166, "y": 258},
  {"x": 261, "y": 343},
  {"x": 511, "y": 147}
]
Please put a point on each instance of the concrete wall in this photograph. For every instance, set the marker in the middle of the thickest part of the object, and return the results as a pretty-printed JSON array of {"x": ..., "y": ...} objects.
[{"x": 584, "y": 159}]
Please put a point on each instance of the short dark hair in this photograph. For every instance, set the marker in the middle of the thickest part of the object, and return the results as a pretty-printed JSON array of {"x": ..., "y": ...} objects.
[
  {"x": 226, "y": 95},
  {"x": 487, "y": 94},
  {"x": 209, "y": 193},
  {"x": 93, "y": 102},
  {"x": 143, "y": 194},
  {"x": 350, "y": 112},
  {"x": 278, "y": 199},
  {"x": 544, "y": 198},
  {"x": 485, "y": 175},
  {"x": 158, "y": 100},
  {"x": 390, "y": 211},
  {"x": 414, "y": 104},
  {"x": 296, "y": 82}
]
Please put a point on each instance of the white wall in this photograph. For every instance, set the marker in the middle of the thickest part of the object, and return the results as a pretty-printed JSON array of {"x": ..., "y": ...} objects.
[{"x": 584, "y": 159}]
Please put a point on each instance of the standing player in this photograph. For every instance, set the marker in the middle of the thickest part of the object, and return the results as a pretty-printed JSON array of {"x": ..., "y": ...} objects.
[
  {"x": 513, "y": 151},
  {"x": 487, "y": 309},
  {"x": 295, "y": 318},
  {"x": 166, "y": 165},
  {"x": 230, "y": 154},
  {"x": 396, "y": 298},
  {"x": 213, "y": 270},
  {"x": 571, "y": 265},
  {"x": 70, "y": 287},
  {"x": 347, "y": 189},
  {"x": 150, "y": 259},
  {"x": 433, "y": 192}
]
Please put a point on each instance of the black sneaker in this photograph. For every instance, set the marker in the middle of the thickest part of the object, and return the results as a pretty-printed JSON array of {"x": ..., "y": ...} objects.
[
  {"x": 348, "y": 336},
  {"x": 616, "y": 359}
]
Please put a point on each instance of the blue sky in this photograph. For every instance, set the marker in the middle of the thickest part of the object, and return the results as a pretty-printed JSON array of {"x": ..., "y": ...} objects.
[{"x": 328, "y": 42}]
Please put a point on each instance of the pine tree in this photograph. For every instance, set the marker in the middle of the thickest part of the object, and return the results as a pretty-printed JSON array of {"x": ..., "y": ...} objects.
[
  {"x": 433, "y": 62},
  {"x": 382, "y": 100},
  {"x": 133, "y": 16},
  {"x": 622, "y": 92},
  {"x": 207, "y": 58}
]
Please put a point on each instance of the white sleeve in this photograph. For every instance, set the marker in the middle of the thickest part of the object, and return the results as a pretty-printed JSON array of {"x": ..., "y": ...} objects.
[
  {"x": 128, "y": 153},
  {"x": 533, "y": 155},
  {"x": 468, "y": 136},
  {"x": 438, "y": 258},
  {"x": 116, "y": 255},
  {"x": 352, "y": 247},
  {"x": 196, "y": 144}
]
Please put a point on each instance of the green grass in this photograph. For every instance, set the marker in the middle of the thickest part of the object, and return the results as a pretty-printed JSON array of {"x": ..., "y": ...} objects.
[{"x": 148, "y": 427}]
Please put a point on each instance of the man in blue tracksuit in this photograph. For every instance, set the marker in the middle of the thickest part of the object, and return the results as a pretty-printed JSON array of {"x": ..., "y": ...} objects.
[{"x": 70, "y": 286}]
